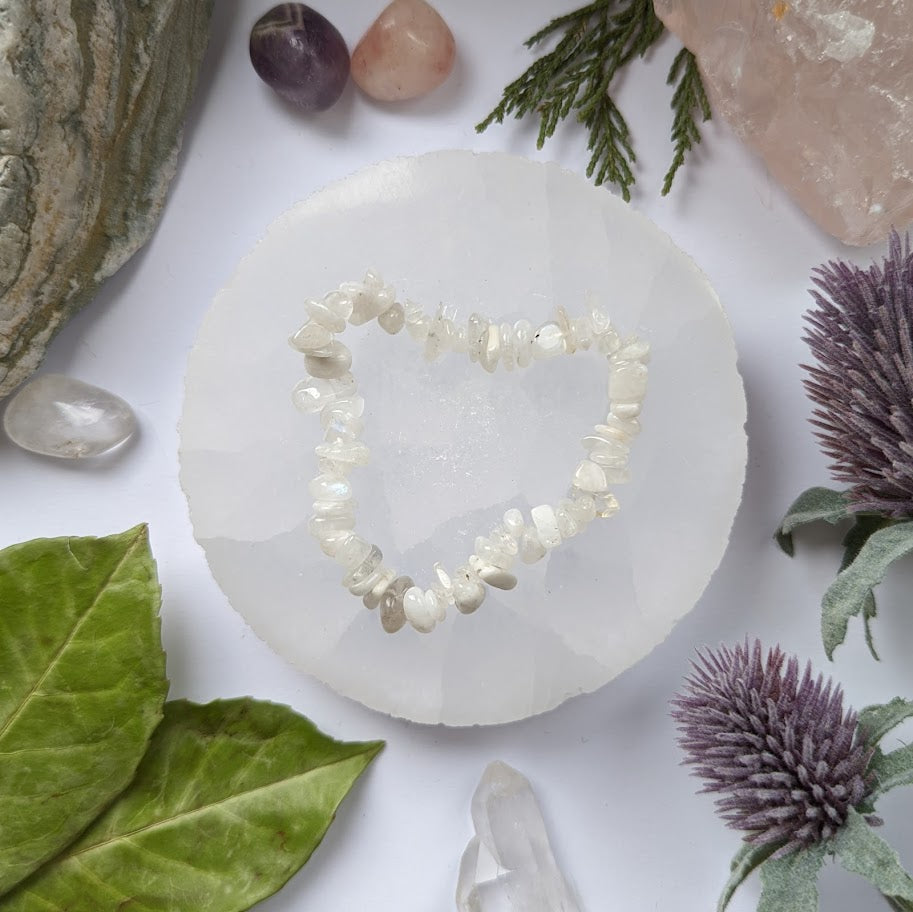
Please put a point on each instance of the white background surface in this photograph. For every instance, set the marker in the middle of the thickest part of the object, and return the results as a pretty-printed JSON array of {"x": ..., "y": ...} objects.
[{"x": 627, "y": 827}]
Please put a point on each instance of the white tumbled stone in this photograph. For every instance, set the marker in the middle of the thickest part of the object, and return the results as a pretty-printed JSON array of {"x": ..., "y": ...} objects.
[
  {"x": 508, "y": 346},
  {"x": 546, "y": 526},
  {"x": 567, "y": 523},
  {"x": 490, "y": 351},
  {"x": 523, "y": 331},
  {"x": 548, "y": 341},
  {"x": 590, "y": 477},
  {"x": 311, "y": 336},
  {"x": 330, "y": 487},
  {"x": 489, "y": 553},
  {"x": 627, "y": 410},
  {"x": 627, "y": 380},
  {"x": 468, "y": 590},
  {"x": 393, "y": 319},
  {"x": 385, "y": 576},
  {"x": 55, "y": 415},
  {"x": 477, "y": 335},
  {"x": 417, "y": 610},
  {"x": 513, "y": 521},
  {"x": 502, "y": 539},
  {"x": 606, "y": 505},
  {"x": 498, "y": 577},
  {"x": 330, "y": 362},
  {"x": 634, "y": 350},
  {"x": 531, "y": 547},
  {"x": 352, "y": 552},
  {"x": 325, "y": 316}
]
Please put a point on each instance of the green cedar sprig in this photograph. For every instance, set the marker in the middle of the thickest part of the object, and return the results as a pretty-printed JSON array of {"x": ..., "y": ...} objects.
[{"x": 597, "y": 41}]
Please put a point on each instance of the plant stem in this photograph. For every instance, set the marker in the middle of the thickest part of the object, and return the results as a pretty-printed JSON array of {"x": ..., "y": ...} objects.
[{"x": 898, "y": 904}]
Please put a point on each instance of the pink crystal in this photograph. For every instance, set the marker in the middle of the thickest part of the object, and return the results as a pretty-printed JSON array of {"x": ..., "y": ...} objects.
[
  {"x": 407, "y": 52},
  {"x": 823, "y": 91}
]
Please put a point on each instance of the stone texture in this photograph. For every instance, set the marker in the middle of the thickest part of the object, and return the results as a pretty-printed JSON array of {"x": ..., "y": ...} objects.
[
  {"x": 823, "y": 91},
  {"x": 93, "y": 100},
  {"x": 407, "y": 52},
  {"x": 452, "y": 449},
  {"x": 508, "y": 865},
  {"x": 300, "y": 55},
  {"x": 56, "y": 415}
]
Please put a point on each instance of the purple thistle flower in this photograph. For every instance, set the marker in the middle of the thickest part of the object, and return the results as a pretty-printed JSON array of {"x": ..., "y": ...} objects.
[
  {"x": 861, "y": 335},
  {"x": 787, "y": 759}
]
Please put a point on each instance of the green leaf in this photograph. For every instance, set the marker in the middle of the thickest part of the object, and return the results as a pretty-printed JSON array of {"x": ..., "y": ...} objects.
[
  {"x": 790, "y": 884},
  {"x": 813, "y": 505},
  {"x": 745, "y": 861},
  {"x": 892, "y": 769},
  {"x": 846, "y": 597},
  {"x": 863, "y": 527},
  {"x": 231, "y": 799},
  {"x": 81, "y": 690},
  {"x": 862, "y": 851},
  {"x": 876, "y": 721}
]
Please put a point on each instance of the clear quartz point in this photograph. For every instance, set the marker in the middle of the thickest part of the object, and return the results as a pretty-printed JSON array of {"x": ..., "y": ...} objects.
[
  {"x": 508, "y": 865},
  {"x": 55, "y": 415}
]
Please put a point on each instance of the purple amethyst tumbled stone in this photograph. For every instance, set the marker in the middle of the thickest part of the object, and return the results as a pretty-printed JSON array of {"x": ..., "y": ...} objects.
[{"x": 301, "y": 55}]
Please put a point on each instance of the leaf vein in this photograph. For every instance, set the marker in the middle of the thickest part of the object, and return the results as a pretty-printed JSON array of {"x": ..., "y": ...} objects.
[{"x": 17, "y": 712}]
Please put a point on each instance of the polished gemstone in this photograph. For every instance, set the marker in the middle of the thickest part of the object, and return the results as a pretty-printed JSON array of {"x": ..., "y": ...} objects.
[
  {"x": 56, "y": 415},
  {"x": 407, "y": 52},
  {"x": 508, "y": 865},
  {"x": 300, "y": 55}
]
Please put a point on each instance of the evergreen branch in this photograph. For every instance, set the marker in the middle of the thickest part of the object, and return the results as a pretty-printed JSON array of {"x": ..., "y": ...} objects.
[
  {"x": 596, "y": 41},
  {"x": 689, "y": 97}
]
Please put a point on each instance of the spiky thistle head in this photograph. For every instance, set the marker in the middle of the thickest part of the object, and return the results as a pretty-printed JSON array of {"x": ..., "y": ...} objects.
[
  {"x": 861, "y": 334},
  {"x": 786, "y": 758}
]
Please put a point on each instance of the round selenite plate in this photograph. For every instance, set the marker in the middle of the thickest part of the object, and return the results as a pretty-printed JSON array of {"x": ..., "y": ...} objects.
[{"x": 453, "y": 447}]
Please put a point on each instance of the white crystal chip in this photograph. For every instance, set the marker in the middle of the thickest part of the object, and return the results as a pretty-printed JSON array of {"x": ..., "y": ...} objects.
[
  {"x": 508, "y": 865},
  {"x": 55, "y": 415}
]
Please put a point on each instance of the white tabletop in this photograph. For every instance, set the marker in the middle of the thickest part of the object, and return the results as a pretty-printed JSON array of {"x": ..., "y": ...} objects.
[{"x": 626, "y": 825}]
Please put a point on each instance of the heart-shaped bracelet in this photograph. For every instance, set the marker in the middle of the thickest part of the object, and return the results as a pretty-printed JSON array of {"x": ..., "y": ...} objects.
[{"x": 331, "y": 392}]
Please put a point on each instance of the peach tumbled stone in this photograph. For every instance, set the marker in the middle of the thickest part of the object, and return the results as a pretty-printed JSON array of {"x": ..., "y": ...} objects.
[{"x": 406, "y": 53}]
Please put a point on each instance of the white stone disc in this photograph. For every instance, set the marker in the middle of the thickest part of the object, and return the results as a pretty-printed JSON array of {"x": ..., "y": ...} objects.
[{"x": 452, "y": 447}]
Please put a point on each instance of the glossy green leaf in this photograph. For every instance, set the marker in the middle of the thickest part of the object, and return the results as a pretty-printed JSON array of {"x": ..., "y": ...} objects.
[
  {"x": 813, "y": 505},
  {"x": 862, "y": 851},
  {"x": 82, "y": 682},
  {"x": 790, "y": 884},
  {"x": 876, "y": 721},
  {"x": 847, "y": 596},
  {"x": 231, "y": 799},
  {"x": 747, "y": 859}
]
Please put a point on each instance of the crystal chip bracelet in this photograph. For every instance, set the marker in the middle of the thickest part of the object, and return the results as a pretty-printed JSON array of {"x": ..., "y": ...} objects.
[{"x": 332, "y": 393}]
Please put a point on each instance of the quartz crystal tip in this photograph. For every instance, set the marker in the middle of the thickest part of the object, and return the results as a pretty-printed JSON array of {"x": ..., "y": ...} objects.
[{"x": 508, "y": 865}]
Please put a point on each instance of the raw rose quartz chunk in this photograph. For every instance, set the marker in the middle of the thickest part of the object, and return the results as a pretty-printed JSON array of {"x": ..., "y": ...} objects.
[
  {"x": 823, "y": 91},
  {"x": 407, "y": 52}
]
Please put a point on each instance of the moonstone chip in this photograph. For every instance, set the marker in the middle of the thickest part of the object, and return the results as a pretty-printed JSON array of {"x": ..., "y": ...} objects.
[
  {"x": 56, "y": 415},
  {"x": 508, "y": 865},
  {"x": 454, "y": 449},
  {"x": 823, "y": 91},
  {"x": 407, "y": 52}
]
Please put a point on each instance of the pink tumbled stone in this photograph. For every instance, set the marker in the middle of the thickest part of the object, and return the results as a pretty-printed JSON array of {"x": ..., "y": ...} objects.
[{"x": 407, "y": 52}]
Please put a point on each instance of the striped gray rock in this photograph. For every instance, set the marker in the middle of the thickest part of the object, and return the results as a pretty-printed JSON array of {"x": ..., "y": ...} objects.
[{"x": 93, "y": 101}]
